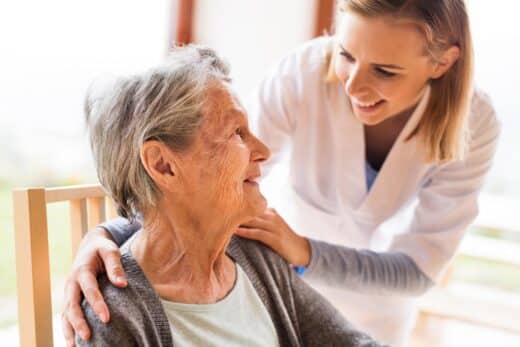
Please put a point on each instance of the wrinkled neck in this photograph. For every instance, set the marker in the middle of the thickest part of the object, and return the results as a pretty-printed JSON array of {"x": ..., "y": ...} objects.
[{"x": 178, "y": 253}]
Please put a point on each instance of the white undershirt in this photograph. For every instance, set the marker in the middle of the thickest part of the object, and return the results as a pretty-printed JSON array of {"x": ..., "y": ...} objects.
[{"x": 239, "y": 319}]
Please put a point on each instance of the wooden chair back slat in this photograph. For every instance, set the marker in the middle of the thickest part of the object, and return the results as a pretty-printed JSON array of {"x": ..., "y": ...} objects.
[
  {"x": 96, "y": 211},
  {"x": 32, "y": 267},
  {"x": 87, "y": 209},
  {"x": 78, "y": 222}
]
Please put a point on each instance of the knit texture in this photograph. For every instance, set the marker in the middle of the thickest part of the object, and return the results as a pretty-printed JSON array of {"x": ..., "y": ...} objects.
[{"x": 301, "y": 316}]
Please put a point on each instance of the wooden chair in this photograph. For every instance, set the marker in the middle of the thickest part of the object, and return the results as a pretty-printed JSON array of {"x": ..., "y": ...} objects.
[{"x": 88, "y": 207}]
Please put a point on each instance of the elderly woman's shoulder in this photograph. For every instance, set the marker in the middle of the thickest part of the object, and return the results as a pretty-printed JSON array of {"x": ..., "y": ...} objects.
[
  {"x": 257, "y": 254},
  {"x": 104, "y": 333},
  {"x": 121, "y": 299},
  {"x": 127, "y": 305}
]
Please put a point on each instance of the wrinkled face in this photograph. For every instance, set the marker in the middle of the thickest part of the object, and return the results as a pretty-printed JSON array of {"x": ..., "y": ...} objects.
[
  {"x": 221, "y": 169},
  {"x": 382, "y": 64}
]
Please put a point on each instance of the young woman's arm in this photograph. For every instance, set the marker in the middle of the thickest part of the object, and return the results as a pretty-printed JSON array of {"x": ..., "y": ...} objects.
[
  {"x": 385, "y": 273},
  {"x": 120, "y": 229},
  {"x": 339, "y": 266},
  {"x": 448, "y": 203}
]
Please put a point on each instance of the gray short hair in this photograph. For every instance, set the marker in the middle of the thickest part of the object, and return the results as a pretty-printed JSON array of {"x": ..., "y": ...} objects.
[{"x": 163, "y": 104}]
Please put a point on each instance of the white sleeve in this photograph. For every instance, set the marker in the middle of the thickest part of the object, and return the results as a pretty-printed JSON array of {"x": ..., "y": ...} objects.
[
  {"x": 448, "y": 203},
  {"x": 272, "y": 110}
]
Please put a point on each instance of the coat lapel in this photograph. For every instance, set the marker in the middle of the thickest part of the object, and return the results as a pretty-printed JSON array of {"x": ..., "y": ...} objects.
[
  {"x": 349, "y": 147},
  {"x": 402, "y": 168}
]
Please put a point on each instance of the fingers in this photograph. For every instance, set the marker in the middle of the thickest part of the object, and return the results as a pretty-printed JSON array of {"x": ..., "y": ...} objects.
[
  {"x": 89, "y": 286},
  {"x": 266, "y": 220},
  {"x": 270, "y": 213},
  {"x": 259, "y": 235},
  {"x": 74, "y": 316},
  {"x": 67, "y": 331},
  {"x": 258, "y": 223},
  {"x": 87, "y": 265},
  {"x": 112, "y": 261},
  {"x": 272, "y": 216},
  {"x": 73, "y": 320}
]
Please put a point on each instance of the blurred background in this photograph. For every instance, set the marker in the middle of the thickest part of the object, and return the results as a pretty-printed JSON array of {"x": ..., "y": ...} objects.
[{"x": 52, "y": 50}]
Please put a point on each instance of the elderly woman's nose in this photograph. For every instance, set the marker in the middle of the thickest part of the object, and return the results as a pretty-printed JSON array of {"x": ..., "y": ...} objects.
[{"x": 259, "y": 151}]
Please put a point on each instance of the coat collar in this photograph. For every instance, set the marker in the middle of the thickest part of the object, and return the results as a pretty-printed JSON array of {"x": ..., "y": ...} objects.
[{"x": 405, "y": 157}]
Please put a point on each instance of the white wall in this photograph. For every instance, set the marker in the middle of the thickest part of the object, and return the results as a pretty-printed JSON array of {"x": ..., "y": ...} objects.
[
  {"x": 50, "y": 52},
  {"x": 253, "y": 35},
  {"x": 496, "y": 34}
]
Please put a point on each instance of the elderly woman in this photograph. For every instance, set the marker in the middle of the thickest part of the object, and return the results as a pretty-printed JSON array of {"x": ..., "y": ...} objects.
[{"x": 174, "y": 146}]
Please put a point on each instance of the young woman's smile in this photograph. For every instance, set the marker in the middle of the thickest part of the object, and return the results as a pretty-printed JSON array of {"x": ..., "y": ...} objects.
[{"x": 382, "y": 76}]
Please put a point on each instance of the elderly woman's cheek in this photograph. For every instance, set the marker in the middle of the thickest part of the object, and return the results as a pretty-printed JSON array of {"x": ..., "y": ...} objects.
[{"x": 231, "y": 171}]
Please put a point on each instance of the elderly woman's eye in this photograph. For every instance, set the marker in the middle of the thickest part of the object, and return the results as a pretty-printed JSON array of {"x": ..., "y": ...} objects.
[{"x": 239, "y": 132}]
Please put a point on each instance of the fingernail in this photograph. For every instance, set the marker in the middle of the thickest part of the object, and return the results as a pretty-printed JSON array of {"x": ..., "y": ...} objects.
[
  {"x": 103, "y": 317},
  {"x": 121, "y": 279}
]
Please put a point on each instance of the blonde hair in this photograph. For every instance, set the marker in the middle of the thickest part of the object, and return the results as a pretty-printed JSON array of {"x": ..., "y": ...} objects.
[{"x": 445, "y": 23}]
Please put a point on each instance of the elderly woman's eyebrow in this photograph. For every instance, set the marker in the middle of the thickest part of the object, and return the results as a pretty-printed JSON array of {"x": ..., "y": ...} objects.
[{"x": 237, "y": 116}]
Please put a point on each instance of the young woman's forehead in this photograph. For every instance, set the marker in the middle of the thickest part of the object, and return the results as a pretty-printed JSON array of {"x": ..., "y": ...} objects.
[{"x": 379, "y": 38}]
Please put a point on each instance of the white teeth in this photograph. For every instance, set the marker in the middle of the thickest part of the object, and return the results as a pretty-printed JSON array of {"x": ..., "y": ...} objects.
[{"x": 367, "y": 104}]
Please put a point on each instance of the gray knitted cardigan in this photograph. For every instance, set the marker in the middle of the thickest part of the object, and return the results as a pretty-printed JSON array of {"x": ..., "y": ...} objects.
[{"x": 301, "y": 316}]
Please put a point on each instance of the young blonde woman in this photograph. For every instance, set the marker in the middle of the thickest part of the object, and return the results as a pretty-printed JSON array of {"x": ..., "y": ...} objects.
[{"x": 390, "y": 143}]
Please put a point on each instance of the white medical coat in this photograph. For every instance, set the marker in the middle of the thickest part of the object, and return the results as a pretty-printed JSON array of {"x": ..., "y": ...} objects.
[{"x": 326, "y": 196}]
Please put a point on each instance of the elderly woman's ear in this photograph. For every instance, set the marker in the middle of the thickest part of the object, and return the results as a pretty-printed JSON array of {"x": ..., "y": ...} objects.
[{"x": 158, "y": 161}]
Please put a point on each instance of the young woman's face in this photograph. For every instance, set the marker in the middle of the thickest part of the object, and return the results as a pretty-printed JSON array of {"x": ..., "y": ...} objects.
[{"x": 382, "y": 64}]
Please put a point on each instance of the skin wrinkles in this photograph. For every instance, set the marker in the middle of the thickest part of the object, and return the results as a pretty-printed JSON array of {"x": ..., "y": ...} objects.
[
  {"x": 224, "y": 149},
  {"x": 182, "y": 251},
  {"x": 381, "y": 63}
]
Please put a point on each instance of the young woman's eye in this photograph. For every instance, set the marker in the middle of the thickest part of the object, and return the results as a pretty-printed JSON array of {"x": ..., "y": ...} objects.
[
  {"x": 347, "y": 56},
  {"x": 384, "y": 73}
]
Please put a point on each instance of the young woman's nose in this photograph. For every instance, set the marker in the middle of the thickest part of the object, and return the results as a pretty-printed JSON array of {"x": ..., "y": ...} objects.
[{"x": 355, "y": 82}]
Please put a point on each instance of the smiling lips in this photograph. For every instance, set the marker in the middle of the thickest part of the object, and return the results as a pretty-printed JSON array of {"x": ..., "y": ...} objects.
[
  {"x": 367, "y": 106},
  {"x": 253, "y": 178}
]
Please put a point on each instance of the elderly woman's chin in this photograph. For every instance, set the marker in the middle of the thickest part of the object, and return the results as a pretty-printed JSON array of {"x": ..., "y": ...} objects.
[{"x": 256, "y": 201}]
